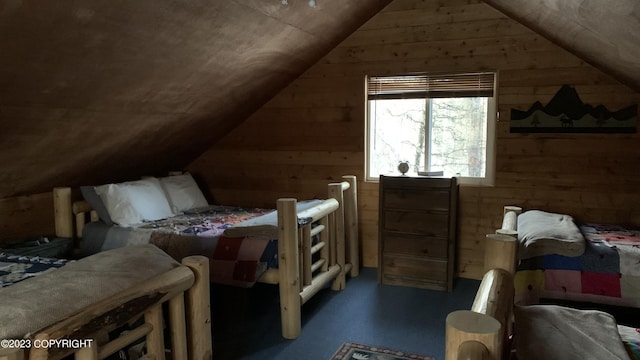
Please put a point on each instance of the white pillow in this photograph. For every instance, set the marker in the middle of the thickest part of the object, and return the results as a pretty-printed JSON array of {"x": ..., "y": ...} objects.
[
  {"x": 133, "y": 202},
  {"x": 183, "y": 193},
  {"x": 542, "y": 233}
]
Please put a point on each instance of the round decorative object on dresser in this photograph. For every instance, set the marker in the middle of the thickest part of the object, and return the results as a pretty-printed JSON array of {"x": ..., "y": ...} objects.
[{"x": 403, "y": 167}]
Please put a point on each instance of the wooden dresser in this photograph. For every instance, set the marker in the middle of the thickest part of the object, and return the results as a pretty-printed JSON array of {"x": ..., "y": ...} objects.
[{"x": 417, "y": 222}]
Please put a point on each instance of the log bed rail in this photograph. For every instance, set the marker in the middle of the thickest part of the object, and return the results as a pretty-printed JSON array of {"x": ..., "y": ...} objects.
[
  {"x": 483, "y": 332},
  {"x": 335, "y": 221}
]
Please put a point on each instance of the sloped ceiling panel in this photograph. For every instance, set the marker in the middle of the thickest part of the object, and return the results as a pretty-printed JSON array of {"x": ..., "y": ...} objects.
[
  {"x": 605, "y": 34},
  {"x": 109, "y": 90}
]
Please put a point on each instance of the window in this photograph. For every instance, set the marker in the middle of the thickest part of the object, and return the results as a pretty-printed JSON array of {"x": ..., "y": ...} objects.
[{"x": 437, "y": 122}]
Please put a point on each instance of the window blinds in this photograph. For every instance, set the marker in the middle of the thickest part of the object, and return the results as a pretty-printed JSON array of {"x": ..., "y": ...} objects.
[{"x": 420, "y": 86}]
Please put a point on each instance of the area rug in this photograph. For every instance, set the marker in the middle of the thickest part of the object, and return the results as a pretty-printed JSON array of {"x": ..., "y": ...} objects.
[{"x": 355, "y": 351}]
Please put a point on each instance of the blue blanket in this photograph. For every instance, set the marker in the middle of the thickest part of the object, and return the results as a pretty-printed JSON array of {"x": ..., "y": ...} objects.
[{"x": 15, "y": 268}]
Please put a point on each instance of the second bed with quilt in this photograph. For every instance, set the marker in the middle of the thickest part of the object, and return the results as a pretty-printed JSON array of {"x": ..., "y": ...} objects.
[{"x": 301, "y": 245}]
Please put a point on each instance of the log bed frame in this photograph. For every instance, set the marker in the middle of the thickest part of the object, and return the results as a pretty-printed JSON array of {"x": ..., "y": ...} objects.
[
  {"x": 486, "y": 330},
  {"x": 297, "y": 276},
  {"x": 483, "y": 332},
  {"x": 177, "y": 299}
]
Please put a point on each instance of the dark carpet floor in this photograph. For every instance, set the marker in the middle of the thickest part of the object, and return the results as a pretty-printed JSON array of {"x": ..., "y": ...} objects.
[{"x": 246, "y": 322}]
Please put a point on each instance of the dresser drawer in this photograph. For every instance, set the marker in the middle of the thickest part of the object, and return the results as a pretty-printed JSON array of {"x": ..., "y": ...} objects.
[
  {"x": 415, "y": 245},
  {"x": 423, "y": 223},
  {"x": 418, "y": 183},
  {"x": 415, "y": 199},
  {"x": 424, "y": 283},
  {"x": 417, "y": 231},
  {"x": 415, "y": 267}
]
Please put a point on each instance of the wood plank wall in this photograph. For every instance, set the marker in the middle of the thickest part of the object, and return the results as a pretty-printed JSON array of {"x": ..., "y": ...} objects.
[
  {"x": 25, "y": 216},
  {"x": 313, "y": 131}
]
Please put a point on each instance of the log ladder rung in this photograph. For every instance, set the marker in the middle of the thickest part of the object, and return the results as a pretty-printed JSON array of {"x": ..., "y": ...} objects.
[
  {"x": 317, "y": 230},
  {"x": 123, "y": 340},
  {"x": 316, "y": 265},
  {"x": 318, "y": 282},
  {"x": 317, "y": 247}
]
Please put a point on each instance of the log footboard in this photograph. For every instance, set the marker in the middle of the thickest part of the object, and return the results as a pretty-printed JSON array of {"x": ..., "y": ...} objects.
[
  {"x": 483, "y": 332},
  {"x": 543, "y": 331},
  {"x": 487, "y": 323},
  {"x": 299, "y": 277}
]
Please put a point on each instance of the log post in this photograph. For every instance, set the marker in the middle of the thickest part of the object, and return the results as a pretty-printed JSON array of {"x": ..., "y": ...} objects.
[
  {"x": 510, "y": 217},
  {"x": 351, "y": 224},
  {"x": 199, "y": 309},
  {"x": 178, "y": 326},
  {"x": 500, "y": 253},
  {"x": 87, "y": 353},
  {"x": 305, "y": 256},
  {"x": 62, "y": 212},
  {"x": 466, "y": 325},
  {"x": 325, "y": 238},
  {"x": 11, "y": 354},
  {"x": 40, "y": 353},
  {"x": 155, "y": 339},
  {"x": 335, "y": 192},
  {"x": 288, "y": 268}
]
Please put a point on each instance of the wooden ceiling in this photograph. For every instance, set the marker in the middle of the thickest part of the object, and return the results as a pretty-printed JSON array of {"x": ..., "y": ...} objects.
[
  {"x": 96, "y": 90},
  {"x": 107, "y": 90},
  {"x": 606, "y": 34}
]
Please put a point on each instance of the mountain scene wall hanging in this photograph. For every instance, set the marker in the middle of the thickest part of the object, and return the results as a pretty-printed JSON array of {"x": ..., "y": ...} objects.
[{"x": 566, "y": 113}]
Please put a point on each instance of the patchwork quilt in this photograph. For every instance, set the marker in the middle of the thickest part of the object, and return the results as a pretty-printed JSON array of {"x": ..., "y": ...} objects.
[
  {"x": 631, "y": 340},
  {"x": 608, "y": 271},
  {"x": 241, "y": 243},
  {"x": 237, "y": 261}
]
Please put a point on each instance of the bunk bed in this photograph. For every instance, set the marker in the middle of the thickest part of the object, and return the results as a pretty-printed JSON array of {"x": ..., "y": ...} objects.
[
  {"x": 101, "y": 304},
  {"x": 317, "y": 242},
  {"x": 496, "y": 328}
]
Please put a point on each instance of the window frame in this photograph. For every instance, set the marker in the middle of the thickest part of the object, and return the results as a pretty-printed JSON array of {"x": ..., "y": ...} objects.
[{"x": 492, "y": 118}]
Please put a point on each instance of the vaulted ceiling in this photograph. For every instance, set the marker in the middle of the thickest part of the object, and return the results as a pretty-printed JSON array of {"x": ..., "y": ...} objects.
[
  {"x": 108, "y": 90},
  {"x": 605, "y": 34},
  {"x": 97, "y": 90}
]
